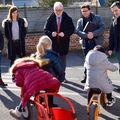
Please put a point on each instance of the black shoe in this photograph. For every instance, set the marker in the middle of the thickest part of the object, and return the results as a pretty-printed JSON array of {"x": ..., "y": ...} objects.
[
  {"x": 65, "y": 81},
  {"x": 3, "y": 85},
  {"x": 83, "y": 81},
  {"x": 111, "y": 102}
]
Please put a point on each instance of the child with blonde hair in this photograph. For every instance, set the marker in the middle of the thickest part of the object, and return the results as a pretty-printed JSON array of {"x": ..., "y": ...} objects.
[{"x": 44, "y": 50}]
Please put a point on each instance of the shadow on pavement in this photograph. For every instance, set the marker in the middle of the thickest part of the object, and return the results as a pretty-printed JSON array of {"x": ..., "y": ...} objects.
[
  {"x": 79, "y": 89},
  {"x": 75, "y": 84},
  {"x": 81, "y": 111},
  {"x": 115, "y": 110},
  {"x": 75, "y": 58},
  {"x": 116, "y": 87},
  {"x": 105, "y": 117},
  {"x": 12, "y": 99}
]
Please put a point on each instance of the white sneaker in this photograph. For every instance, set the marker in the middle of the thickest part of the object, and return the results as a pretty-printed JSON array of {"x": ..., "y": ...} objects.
[
  {"x": 111, "y": 102},
  {"x": 15, "y": 113}
]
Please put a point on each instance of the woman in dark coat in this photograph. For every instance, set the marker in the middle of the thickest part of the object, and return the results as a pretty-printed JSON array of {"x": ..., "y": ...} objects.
[{"x": 15, "y": 32}]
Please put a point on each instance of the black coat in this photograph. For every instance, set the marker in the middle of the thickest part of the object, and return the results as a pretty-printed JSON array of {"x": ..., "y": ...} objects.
[
  {"x": 61, "y": 46},
  {"x": 114, "y": 38},
  {"x": 8, "y": 35}
]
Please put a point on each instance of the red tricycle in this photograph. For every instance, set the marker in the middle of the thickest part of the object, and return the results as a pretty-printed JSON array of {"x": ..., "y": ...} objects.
[{"x": 45, "y": 112}]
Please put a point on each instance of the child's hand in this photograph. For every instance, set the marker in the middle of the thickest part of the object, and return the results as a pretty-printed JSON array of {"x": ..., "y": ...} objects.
[{"x": 110, "y": 52}]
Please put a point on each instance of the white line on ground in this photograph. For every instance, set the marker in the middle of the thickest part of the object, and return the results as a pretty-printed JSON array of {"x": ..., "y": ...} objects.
[{"x": 63, "y": 93}]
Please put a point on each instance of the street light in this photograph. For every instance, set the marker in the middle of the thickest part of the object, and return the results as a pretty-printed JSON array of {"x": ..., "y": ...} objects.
[{"x": 96, "y": 6}]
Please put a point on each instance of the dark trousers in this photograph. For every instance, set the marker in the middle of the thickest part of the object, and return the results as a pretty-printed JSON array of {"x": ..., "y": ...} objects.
[
  {"x": 89, "y": 46},
  {"x": 63, "y": 62},
  {"x": 16, "y": 51},
  {"x": 97, "y": 91}
]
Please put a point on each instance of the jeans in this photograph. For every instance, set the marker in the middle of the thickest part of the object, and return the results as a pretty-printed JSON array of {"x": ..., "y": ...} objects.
[
  {"x": 89, "y": 46},
  {"x": 19, "y": 107}
]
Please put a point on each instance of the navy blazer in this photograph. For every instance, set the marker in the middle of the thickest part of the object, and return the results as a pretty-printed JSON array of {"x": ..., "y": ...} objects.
[{"x": 60, "y": 45}]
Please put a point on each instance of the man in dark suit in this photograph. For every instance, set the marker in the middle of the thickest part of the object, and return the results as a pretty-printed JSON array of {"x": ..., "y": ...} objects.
[
  {"x": 114, "y": 39},
  {"x": 59, "y": 27},
  {"x": 89, "y": 39}
]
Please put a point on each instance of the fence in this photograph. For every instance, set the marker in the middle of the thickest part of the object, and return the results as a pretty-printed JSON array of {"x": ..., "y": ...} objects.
[{"x": 37, "y": 16}]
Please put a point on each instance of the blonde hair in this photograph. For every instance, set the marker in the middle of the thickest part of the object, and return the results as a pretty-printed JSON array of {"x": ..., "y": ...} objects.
[
  {"x": 43, "y": 44},
  {"x": 40, "y": 62}
]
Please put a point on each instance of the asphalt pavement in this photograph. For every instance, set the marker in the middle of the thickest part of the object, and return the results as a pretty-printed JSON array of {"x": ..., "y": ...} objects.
[{"x": 74, "y": 90}]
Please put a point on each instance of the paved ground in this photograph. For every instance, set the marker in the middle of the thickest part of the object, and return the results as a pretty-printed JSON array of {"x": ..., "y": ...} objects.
[{"x": 9, "y": 97}]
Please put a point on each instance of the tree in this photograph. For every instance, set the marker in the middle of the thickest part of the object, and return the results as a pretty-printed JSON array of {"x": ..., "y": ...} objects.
[{"x": 50, "y": 3}]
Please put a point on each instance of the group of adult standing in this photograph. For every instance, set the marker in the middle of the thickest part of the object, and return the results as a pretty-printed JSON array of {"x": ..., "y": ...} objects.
[{"x": 59, "y": 27}]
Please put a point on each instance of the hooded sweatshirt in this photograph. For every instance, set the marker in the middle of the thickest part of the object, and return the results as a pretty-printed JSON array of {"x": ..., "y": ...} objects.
[{"x": 97, "y": 64}]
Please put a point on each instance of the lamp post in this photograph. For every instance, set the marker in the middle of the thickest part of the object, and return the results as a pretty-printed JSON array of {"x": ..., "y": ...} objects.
[
  {"x": 25, "y": 11},
  {"x": 96, "y": 6}
]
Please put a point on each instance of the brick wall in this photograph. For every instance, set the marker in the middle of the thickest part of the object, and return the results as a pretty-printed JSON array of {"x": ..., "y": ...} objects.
[{"x": 32, "y": 40}]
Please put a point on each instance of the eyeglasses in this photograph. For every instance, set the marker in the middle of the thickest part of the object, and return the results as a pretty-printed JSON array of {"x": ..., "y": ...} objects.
[
  {"x": 59, "y": 10},
  {"x": 84, "y": 10}
]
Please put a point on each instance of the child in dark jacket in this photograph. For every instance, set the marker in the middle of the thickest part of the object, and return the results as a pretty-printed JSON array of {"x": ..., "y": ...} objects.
[
  {"x": 29, "y": 75},
  {"x": 44, "y": 51}
]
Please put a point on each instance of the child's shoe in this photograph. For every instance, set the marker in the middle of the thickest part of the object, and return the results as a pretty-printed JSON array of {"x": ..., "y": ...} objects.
[
  {"x": 15, "y": 113},
  {"x": 65, "y": 81},
  {"x": 2, "y": 84},
  {"x": 111, "y": 102}
]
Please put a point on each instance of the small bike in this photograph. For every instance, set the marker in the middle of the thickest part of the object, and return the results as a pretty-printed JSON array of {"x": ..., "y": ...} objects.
[
  {"x": 45, "y": 112},
  {"x": 95, "y": 98}
]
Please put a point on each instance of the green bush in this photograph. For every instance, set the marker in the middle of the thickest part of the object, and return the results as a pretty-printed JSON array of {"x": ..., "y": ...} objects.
[
  {"x": 109, "y": 2},
  {"x": 50, "y": 3},
  {"x": 5, "y": 6}
]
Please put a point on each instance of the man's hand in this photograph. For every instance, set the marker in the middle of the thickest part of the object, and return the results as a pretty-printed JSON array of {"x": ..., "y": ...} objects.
[
  {"x": 54, "y": 34},
  {"x": 110, "y": 52},
  {"x": 61, "y": 34},
  {"x": 90, "y": 35}
]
